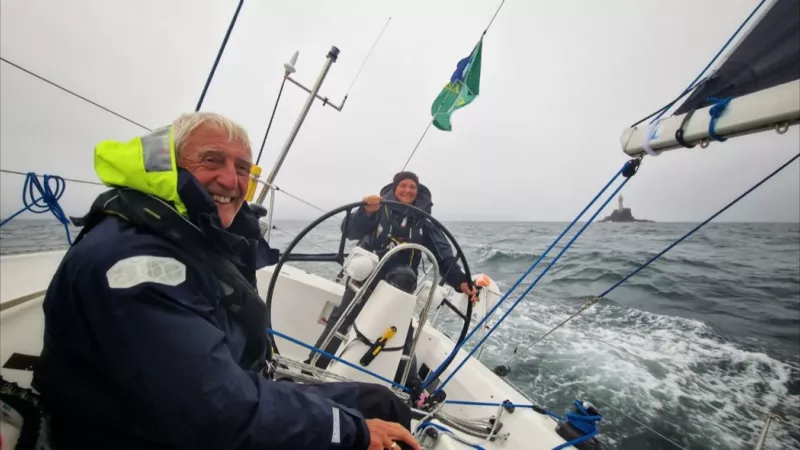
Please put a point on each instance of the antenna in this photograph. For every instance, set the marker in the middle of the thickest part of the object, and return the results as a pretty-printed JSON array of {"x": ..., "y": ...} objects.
[
  {"x": 290, "y": 69},
  {"x": 289, "y": 66}
]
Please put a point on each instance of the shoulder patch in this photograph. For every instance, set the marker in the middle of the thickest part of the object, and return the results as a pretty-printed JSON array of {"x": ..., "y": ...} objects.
[{"x": 136, "y": 270}]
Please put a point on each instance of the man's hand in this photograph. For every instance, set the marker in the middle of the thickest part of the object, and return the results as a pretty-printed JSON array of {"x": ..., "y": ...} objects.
[
  {"x": 469, "y": 291},
  {"x": 383, "y": 435},
  {"x": 373, "y": 204}
]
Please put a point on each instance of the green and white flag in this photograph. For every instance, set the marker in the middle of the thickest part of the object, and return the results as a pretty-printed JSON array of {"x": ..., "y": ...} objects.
[{"x": 462, "y": 89}]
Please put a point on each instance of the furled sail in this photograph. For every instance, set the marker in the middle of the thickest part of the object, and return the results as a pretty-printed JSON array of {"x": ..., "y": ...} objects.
[
  {"x": 769, "y": 56},
  {"x": 756, "y": 88}
]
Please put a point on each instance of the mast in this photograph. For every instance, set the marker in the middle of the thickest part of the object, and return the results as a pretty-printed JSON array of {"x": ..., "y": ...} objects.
[
  {"x": 313, "y": 93},
  {"x": 331, "y": 57}
]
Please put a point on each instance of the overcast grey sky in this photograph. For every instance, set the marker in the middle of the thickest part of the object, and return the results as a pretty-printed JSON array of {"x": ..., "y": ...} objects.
[{"x": 560, "y": 81}]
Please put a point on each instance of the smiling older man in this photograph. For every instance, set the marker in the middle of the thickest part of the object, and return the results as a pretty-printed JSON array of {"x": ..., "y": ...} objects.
[{"x": 154, "y": 332}]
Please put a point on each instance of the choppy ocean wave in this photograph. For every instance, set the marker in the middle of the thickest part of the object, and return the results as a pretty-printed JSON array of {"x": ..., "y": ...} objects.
[
  {"x": 695, "y": 349},
  {"x": 676, "y": 375}
]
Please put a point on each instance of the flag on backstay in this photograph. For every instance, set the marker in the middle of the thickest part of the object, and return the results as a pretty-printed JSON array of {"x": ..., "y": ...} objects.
[{"x": 462, "y": 89}]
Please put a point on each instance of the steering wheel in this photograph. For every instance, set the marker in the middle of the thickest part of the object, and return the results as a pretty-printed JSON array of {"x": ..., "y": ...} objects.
[{"x": 339, "y": 257}]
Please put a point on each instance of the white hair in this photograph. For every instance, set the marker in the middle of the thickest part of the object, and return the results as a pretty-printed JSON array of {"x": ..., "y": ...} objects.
[{"x": 186, "y": 123}]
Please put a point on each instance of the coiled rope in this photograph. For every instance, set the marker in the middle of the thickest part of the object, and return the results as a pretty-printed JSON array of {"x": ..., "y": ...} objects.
[
  {"x": 716, "y": 112},
  {"x": 63, "y": 181},
  {"x": 40, "y": 198}
]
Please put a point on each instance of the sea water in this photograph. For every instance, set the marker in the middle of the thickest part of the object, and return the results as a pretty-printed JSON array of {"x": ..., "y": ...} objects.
[{"x": 696, "y": 348}]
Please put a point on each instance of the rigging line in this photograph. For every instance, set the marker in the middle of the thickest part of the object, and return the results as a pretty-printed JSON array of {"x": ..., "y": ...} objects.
[
  {"x": 97, "y": 183},
  {"x": 493, "y": 17},
  {"x": 775, "y": 172},
  {"x": 63, "y": 178},
  {"x": 367, "y": 57},
  {"x": 438, "y": 371},
  {"x": 536, "y": 281},
  {"x": 336, "y": 358},
  {"x": 219, "y": 56},
  {"x": 74, "y": 94},
  {"x": 298, "y": 199},
  {"x": 292, "y": 236},
  {"x": 418, "y": 143},
  {"x": 580, "y": 311},
  {"x": 642, "y": 424},
  {"x": 416, "y": 147},
  {"x": 714, "y": 59},
  {"x": 669, "y": 105},
  {"x": 271, "y": 118}
]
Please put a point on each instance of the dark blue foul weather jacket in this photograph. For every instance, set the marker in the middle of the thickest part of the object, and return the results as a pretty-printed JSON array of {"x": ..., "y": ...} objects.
[
  {"x": 154, "y": 336},
  {"x": 380, "y": 231}
]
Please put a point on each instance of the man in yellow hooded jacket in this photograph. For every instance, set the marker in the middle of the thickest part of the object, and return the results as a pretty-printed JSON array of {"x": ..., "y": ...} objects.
[{"x": 154, "y": 332}]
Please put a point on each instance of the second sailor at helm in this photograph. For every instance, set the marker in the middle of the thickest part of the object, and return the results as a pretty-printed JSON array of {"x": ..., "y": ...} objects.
[{"x": 378, "y": 228}]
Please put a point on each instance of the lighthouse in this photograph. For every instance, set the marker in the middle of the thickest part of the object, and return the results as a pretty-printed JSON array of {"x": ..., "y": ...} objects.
[{"x": 619, "y": 201}]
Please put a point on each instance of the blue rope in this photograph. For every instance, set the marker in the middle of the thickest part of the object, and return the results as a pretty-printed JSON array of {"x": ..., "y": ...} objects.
[
  {"x": 585, "y": 437},
  {"x": 715, "y": 112},
  {"x": 422, "y": 426},
  {"x": 436, "y": 373},
  {"x": 219, "y": 56},
  {"x": 775, "y": 172},
  {"x": 336, "y": 358},
  {"x": 544, "y": 272},
  {"x": 47, "y": 200},
  {"x": 691, "y": 85},
  {"x": 585, "y": 421}
]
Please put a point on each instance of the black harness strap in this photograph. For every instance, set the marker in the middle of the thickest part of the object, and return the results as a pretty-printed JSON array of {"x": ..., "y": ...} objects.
[{"x": 361, "y": 337}]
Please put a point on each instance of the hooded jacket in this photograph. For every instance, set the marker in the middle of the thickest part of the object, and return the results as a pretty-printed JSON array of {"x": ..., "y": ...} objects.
[
  {"x": 377, "y": 232},
  {"x": 149, "y": 346}
]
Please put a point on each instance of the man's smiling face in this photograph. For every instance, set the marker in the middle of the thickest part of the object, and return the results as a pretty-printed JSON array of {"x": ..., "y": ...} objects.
[{"x": 220, "y": 165}]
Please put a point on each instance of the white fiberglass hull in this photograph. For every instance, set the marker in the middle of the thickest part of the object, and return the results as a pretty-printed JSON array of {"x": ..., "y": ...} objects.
[{"x": 301, "y": 300}]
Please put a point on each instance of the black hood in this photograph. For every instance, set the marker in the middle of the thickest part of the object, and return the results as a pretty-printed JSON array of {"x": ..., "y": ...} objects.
[
  {"x": 424, "y": 199},
  {"x": 242, "y": 237}
]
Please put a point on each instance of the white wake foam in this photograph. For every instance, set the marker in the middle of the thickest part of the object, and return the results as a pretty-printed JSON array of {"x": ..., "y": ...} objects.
[{"x": 673, "y": 374}]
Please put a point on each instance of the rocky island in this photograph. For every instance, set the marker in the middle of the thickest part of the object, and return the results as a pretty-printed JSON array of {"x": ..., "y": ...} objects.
[{"x": 622, "y": 214}]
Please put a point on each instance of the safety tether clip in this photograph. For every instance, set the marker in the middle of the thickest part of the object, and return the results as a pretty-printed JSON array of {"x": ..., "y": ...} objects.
[{"x": 377, "y": 346}]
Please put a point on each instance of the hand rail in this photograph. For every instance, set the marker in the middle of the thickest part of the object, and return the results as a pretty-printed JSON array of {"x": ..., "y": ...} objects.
[
  {"x": 360, "y": 294},
  {"x": 21, "y": 300}
]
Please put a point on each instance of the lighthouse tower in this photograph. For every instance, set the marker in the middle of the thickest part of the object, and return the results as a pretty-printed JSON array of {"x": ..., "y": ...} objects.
[{"x": 619, "y": 201}]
